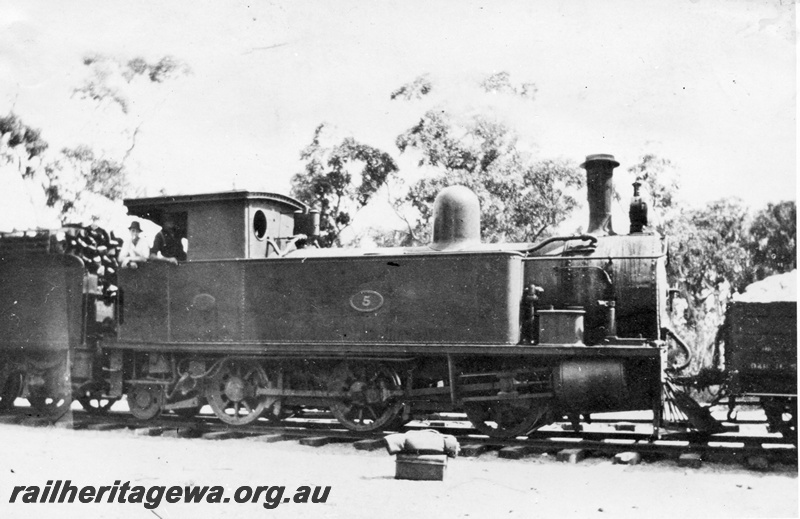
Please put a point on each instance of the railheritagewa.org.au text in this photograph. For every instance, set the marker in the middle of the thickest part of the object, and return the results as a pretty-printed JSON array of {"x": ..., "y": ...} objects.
[{"x": 65, "y": 491}]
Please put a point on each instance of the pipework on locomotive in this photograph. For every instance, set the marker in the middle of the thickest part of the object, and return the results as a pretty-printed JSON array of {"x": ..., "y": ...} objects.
[{"x": 514, "y": 335}]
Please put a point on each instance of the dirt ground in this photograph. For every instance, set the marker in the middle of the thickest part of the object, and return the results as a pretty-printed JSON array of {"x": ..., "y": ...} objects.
[{"x": 363, "y": 485}]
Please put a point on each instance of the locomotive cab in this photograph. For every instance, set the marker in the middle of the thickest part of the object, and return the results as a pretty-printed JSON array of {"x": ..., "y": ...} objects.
[{"x": 229, "y": 225}]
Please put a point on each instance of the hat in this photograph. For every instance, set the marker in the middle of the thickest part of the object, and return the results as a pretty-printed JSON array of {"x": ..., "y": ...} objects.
[{"x": 135, "y": 227}]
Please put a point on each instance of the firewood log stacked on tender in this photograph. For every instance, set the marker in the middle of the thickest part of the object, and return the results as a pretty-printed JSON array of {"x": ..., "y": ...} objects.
[{"x": 99, "y": 253}]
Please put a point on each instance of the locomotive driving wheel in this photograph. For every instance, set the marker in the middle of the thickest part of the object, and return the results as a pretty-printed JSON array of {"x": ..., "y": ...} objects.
[
  {"x": 144, "y": 400},
  {"x": 233, "y": 392},
  {"x": 371, "y": 403},
  {"x": 508, "y": 418}
]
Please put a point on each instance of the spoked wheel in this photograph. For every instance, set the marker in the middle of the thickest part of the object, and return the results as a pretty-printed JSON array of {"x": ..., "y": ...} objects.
[
  {"x": 233, "y": 392},
  {"x": 372, "y": 401},
  {"x": 508, "y": 418},
  {"x": 92, "y": 399},
  {"x": 144, "y": 400},
  {"x": 10, "y": 388}
]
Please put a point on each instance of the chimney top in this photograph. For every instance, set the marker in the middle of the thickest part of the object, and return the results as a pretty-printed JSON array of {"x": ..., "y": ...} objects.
[{"x": 600, "y": 157}]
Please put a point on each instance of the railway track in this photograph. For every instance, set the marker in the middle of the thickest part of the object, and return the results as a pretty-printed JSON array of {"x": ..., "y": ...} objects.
[{"x": 623, "y": 440}]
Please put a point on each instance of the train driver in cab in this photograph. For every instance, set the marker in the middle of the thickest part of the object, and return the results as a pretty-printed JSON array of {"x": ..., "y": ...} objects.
[
  {"x": 167, "y": 245},
  {"x": 136, "y": 250}
]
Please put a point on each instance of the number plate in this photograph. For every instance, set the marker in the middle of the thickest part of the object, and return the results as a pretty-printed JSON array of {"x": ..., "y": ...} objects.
[{"x": 366, "y": 301}]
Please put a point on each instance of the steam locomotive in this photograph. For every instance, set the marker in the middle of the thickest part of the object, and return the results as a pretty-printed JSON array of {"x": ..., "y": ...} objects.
[{"x": 514, "y": 335}]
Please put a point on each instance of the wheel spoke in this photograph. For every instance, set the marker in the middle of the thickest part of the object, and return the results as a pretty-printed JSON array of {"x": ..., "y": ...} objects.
[
  {"x": 361, "y": 410},
  {"x": 233, "y": 395}
]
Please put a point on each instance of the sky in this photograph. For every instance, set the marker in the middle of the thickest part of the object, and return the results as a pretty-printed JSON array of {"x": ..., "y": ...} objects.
[{"x": 708, "y": 84}]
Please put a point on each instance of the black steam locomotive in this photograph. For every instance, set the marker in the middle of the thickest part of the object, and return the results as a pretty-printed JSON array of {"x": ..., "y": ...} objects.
[{"x": 515, "y": 335}]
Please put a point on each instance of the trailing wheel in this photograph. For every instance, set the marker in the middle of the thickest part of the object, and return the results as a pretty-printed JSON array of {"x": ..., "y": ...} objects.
[
  {"x": 233, "y": 392},
  {"x": 144, "y": 400},
  {"x": 508, "y": 418},
  {"x": 371, "y": 402}
]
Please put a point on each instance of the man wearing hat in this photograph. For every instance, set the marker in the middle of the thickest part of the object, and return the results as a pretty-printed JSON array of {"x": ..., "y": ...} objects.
[
  {"x": 168, "y": 245},
  {"x": 136, "y": 250}
]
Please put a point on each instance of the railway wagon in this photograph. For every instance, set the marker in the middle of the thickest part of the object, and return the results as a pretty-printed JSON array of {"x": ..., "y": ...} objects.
[
  {"x": 44, "y": 304},
  {"x": 761, "y": 359}
]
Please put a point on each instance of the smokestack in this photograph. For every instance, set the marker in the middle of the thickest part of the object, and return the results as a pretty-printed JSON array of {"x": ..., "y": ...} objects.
[{"x": 599, "y": 170}]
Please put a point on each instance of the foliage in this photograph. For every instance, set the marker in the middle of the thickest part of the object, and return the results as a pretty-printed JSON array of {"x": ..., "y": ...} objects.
[
  {"x": 77, "y": 179},
  {"x": 72, "y": 181},
  {"x": 20, "y": 134},
  {"x": 78, "y": 182},
  {"x": 417, "y": 89},
  {"x": 660, "y": 179},
  {"x": 707, "y": 258},
  {"x": 772, "y": 242},
  {"x": 333, "y": 183},
  {"x": 104, "y": 83},
  {"x": 500, "y": 82},
  {"x": 112, "y": 81},
  {"x": 714, "y": 251},
  {"x": 522, "y": 199}
]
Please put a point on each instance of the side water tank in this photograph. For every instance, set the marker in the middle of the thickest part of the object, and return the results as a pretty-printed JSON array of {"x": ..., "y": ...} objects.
[{"x": 456, "y": 219}]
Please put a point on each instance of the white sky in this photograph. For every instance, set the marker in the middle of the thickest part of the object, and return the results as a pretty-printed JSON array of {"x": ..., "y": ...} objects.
[{"x": 708, "y": 84}]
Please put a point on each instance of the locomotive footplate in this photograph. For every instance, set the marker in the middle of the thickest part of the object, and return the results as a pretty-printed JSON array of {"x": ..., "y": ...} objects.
[{"x": 381, "y": 350}]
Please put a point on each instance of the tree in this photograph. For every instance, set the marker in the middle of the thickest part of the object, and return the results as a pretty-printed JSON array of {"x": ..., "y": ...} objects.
[
  {"x": 74, "y": 182},
  {"x": 80, "y": 185},
  {"x": 708, "y": 259},
  {"x": 20, "y": 134},
  {"x": 339, "y": 179},
  {"x": 112, "y": 80},
  {"x": 79, "y": 182},
  {"x": 522, "y": 199},
  {"x": 104, "y": 85},
  {"x": 21, "y": 154},
  {"x": 416, "y": 89},
  {"x": 772, "y": 243},
  {"x": 500, "y": 82}
]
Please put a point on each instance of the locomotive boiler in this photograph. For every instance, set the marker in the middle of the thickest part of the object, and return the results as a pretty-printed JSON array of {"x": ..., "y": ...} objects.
[{"x": 514, "y": 335}]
